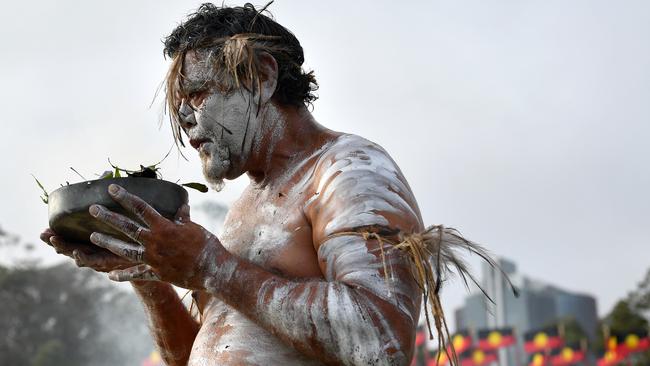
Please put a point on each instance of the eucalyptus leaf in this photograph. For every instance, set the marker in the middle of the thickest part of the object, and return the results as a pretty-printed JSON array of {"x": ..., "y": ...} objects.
[
  {"x": 198, "y": 186},
  {"x": 45, "y": 197},
  {"x": 106, "y": 175}
]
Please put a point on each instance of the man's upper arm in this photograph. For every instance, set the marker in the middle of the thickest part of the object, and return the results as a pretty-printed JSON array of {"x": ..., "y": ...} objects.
[
  {"x": 359, "y": 188},
  {"x": 360, "y": 185}
]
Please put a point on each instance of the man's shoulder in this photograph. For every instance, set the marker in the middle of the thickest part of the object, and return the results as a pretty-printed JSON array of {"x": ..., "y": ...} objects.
[
  {"x": 358, "y": 185},
  {"x": 351, "y": 152}
]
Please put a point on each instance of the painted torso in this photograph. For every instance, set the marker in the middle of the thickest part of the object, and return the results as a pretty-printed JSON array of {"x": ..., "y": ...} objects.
[{"x": 268, "y": 226}]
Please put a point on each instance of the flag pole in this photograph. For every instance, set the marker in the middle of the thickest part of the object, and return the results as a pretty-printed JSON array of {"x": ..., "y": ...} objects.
[{"x": 515, "y": 333}]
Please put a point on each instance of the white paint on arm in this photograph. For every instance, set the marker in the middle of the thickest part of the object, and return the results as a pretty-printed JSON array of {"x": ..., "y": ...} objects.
[
  {"x": 356, "y": 316},
  {"x": 360, "y": 185}
]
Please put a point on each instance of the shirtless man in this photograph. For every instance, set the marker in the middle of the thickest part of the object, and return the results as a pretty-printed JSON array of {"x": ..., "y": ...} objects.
[{"x": 290, "y": 281}]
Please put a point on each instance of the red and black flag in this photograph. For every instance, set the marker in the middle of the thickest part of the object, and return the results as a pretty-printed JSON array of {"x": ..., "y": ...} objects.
[
  {"x": 493, "y": 339},
  {"x": 477, "y": 357},
  {"x": 438, "y": 359},
  {"x": 542, "y": 340},
  {"x": 566, "y": 356},
  {"x": 538, "y": 359},
  {"x": 631, "y": 342},
  {"x": 610, "y": 358},
  {"x": 461, "y": 341},
  {"x": 420, "y": 336},
  {"x": 420, "y": 356}
]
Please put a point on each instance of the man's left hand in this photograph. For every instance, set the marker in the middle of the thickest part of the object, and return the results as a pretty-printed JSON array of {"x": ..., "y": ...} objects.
[{"x": 162, "y": 249}]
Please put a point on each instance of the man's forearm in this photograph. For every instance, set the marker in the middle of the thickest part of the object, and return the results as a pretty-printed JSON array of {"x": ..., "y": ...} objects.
[
  {"x": 171, "y": 324},
  {"x": 327, "y": 320}
]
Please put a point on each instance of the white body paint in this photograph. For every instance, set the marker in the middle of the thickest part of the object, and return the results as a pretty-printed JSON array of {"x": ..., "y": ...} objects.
[
  {"x": 219, "y": 119},
  {"x": 258, "y": 346},
  {"x": 358, "y": 185}
]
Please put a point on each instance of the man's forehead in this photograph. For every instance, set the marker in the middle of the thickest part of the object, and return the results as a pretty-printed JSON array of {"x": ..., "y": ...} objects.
[{"x": 198, "y": 66}]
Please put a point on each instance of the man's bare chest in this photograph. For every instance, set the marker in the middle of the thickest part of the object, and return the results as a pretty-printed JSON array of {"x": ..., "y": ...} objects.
[{"x": 270, "y": 229}]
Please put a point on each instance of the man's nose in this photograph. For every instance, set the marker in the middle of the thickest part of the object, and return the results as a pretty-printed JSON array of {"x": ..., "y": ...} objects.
[{"x": 186, "y": 114}]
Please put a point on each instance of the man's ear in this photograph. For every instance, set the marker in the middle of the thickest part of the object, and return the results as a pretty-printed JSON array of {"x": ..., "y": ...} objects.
[{"x": 268, "y": 74}]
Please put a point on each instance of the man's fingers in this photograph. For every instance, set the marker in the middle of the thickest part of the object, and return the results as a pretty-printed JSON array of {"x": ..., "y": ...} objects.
[
  {"x": 139, "y": 272},
  {"x": 102, "y": 262},
  {"x": 183, "y": 213},
  {"x": 63, "y": 247},
  {"x": 130, "y": 251},
  {"x": 121, "y": 223},
  {"x": 46, "y": 235},
  {"x": 136, "y": 205}
]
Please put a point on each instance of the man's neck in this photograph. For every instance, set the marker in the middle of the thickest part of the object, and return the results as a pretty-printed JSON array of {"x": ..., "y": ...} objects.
[{"x": 291, "y": 134}]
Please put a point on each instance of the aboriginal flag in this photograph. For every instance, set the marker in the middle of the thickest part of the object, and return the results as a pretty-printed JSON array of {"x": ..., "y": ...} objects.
[
  {"x": 420, "y": 336},
  {"x": 610, "y": 358},
  {"x": 493, "y": 339},
  {"x": 538, "y": 359},
  {"x": 567, "y": 356},
  {"x": 625, "y": 343},
  {"x": 462, "y": 341},
  {"x": 477, "y": 357},
  {"x": 542, "y": 340},
  {"x": 420, "y": 354},
  {"x": 438, "y": 359}
]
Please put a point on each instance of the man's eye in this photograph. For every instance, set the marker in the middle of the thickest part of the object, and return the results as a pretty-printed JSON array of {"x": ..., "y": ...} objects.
[{"x": 195, "y": 97}]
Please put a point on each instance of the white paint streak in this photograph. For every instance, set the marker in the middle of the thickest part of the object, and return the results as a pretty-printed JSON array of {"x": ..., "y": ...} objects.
[
  {"x": 363, "y": 184},
  {"x": 269, "y": 238},
  {"x": 349, "y": 261},
  {"x": 242, "y": 337},
  {"x": 338, "y": 316}
]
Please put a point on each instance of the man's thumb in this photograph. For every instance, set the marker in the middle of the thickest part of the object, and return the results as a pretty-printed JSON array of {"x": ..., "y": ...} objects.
[{"x": 183, "y": 213}]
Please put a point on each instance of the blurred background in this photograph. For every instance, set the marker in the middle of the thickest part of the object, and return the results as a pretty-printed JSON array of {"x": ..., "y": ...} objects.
[{"x": 523, "y": 124}]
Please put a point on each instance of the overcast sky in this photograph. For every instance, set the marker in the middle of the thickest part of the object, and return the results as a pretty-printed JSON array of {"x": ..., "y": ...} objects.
[{"x": 523, "y": 124}]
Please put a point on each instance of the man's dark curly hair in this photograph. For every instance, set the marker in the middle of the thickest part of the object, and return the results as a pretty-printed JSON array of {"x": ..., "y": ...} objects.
[{"x": 210, "y": 23}]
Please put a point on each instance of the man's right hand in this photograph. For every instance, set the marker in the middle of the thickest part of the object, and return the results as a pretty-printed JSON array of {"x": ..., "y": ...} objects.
[{"x": 85, "y": 255}]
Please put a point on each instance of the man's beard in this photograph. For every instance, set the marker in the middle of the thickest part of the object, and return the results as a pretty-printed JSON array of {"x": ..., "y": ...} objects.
[{"x": 215, "y": 163}]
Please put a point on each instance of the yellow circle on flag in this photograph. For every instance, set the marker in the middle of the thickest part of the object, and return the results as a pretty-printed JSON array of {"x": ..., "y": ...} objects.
[
  {"x": 632, "y": 341},
  {"x": 540, "y": 340},
  {"x": 478, "y": 357},
  {"x": 610, "y": 356},
  {"x": 612, "y": 343},
  {"x": 441, "y": 358},
  {"x": 494, "y": 338},
  {"x": 567, "y": 353},
  {"x": 538, "y": 359},
  {"x": 458, "y": 341}
]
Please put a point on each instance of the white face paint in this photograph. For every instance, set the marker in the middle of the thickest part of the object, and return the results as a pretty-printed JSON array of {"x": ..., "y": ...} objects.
[{"x": 226, "y": 125}]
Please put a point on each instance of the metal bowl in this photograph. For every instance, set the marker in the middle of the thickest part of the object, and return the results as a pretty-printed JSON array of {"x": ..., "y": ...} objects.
[{"x": 68, "y": 205}]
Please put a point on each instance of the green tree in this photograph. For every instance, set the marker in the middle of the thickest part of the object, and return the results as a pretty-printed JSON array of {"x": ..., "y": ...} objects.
[
  {"x": 639, "y": 299},
  {"x": 573, "y": 335},
  {"x": 66, "y": 316}
]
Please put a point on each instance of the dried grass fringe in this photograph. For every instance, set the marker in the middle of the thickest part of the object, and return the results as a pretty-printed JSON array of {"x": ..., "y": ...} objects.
[{"x": 433, "y": 256}]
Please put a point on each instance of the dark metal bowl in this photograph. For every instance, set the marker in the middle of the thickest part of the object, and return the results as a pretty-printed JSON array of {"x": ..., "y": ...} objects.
[{"x": 68, "y": 205}]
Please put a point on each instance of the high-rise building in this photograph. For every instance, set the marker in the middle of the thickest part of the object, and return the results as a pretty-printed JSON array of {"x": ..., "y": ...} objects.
[{"x": 539, "y": 304}]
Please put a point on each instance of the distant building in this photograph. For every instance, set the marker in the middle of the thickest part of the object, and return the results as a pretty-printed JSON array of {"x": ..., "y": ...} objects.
[{"x": 539, "y": 304}]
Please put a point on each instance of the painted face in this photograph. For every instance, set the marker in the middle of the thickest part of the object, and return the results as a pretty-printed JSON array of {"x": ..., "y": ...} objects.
[{"x": 222, "y": 127}]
